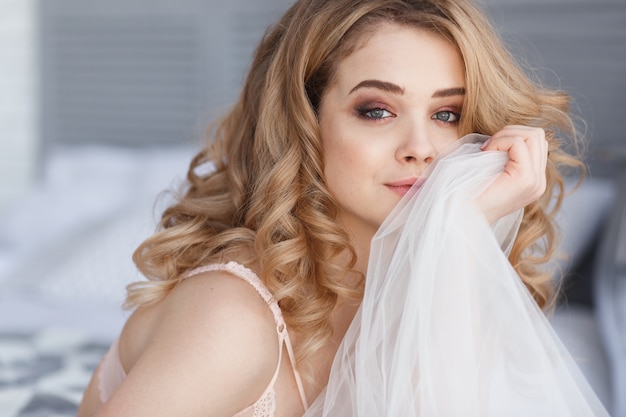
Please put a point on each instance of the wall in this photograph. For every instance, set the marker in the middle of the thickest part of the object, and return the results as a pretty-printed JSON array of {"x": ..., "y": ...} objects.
[
  {"x": 578, "y": 46},
  {"x": 18, "y": 115}
]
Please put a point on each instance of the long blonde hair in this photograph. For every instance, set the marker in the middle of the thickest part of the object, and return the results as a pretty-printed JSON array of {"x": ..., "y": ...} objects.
[{"x": 267, "y": 204}]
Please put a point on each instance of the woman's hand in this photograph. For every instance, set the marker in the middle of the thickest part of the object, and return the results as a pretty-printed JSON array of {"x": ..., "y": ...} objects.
[{"x": 523, "y": 180}]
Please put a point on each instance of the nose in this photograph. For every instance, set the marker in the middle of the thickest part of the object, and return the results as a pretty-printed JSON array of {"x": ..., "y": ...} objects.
[{"x": 415, "y": 146}]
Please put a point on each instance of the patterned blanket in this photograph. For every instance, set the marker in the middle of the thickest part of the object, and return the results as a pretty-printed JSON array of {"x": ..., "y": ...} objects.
[{"x": 43, "y": 374}]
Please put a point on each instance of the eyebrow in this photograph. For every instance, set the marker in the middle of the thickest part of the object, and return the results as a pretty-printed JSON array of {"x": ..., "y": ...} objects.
[
  {"x": 449, "y": 92},
  {"x": 396, "y": 89},
  {"x": 381, "y": 85}
]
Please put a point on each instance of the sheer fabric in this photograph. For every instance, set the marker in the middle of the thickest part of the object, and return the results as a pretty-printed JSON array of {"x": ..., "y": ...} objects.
[{"x": 446, "y": 327}]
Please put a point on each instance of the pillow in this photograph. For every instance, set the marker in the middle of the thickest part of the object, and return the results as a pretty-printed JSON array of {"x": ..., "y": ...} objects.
[{"x": 580, "y": 219}]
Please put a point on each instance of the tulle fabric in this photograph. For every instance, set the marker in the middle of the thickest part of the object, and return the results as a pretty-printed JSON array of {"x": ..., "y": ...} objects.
[{"x": 446, "y": 327}]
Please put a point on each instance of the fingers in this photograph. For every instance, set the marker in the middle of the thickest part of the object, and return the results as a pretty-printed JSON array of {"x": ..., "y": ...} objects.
[
  {"x": 524, "y": 177},
  {"x": 528, "y": 154},
  {"x": 535, "y": 140}
]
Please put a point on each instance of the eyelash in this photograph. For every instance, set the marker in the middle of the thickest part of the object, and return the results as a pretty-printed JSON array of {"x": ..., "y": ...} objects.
[
  {"x": 364, "y": 111},
  {"x": 456, "y": 115}
]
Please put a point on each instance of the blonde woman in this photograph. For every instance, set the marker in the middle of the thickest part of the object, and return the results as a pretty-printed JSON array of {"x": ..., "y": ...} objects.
[{"x": 346, "y": 104}]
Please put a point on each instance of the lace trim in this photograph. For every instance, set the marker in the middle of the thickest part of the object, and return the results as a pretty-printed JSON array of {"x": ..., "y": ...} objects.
[{"x": 266, "y": 405}]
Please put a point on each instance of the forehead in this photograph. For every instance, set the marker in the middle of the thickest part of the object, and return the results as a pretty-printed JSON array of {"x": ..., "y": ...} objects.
[{"x": 401, "y": 53}]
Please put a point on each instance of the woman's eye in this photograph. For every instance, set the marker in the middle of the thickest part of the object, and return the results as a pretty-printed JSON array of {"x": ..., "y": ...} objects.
[
  {"x": 447, "y": 116},
  {"x": 375, "y": 113}
]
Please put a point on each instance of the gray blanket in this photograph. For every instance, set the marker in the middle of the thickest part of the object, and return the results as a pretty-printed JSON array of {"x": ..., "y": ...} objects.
[{"x": 44, "y": 374}]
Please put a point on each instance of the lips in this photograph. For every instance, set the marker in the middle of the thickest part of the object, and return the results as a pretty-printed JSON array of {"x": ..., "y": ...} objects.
[{"x": 403, "y": 186}]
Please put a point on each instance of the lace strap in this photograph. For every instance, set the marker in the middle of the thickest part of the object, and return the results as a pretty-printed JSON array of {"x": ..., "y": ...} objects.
[{"x": 251, "y": 278}]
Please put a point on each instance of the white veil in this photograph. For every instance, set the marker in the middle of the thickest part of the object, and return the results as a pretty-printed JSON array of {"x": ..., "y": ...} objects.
[{"x": 446, "y": 327}]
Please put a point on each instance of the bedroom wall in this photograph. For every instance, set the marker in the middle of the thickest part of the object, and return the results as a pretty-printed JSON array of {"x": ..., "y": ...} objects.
[
  {"x": 18, "y": 114},
  {"x": 578, "y": 46},
  {"x": 144, "y": 72}
]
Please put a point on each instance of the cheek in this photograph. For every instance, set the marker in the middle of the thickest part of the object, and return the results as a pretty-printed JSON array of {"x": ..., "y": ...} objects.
[
  {"x": 334, "y": 146},
  {"x": 346, "y": 149},
  {"x": 338, "y": 163},
  {"x": 342, "y": 167}
]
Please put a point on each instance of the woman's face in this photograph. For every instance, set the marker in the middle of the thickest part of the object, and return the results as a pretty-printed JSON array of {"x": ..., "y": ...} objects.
[{"x": 393, "y": 104}]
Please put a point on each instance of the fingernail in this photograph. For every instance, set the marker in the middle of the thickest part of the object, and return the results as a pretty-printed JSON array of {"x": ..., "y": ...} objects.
[{"x": 484, "y": 145}]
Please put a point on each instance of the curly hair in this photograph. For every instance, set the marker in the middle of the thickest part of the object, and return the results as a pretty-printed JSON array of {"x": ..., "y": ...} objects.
[{"x": 266, "y": 204}]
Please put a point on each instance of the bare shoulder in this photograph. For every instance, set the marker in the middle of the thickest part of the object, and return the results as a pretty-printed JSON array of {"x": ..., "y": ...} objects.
[
  {"x": 209, "y": 337},
  {"x": 216, "y": 291},
  {"x": 222, "y": 305}
]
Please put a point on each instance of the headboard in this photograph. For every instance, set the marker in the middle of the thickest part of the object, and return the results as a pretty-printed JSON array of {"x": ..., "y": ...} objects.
[{"x": 143, "y": 72}]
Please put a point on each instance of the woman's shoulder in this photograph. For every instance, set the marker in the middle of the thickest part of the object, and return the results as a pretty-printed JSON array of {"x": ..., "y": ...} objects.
[
  {"x": 207, "y": 300},
  {"x": 207, "y": 323},
  {"x": 215, "y": 296},
  {"x": 221, "y": 305}
]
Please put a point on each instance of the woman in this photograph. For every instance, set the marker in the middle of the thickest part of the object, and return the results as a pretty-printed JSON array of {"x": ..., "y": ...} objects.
[{"x": 345, "y": 106}]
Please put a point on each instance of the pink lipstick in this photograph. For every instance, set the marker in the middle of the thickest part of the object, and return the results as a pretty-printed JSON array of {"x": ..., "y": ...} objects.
[{"x": 403, "y": 186}]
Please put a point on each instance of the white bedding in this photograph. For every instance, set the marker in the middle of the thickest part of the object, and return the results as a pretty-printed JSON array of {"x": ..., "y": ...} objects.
[{"x": 66, "y": 245}]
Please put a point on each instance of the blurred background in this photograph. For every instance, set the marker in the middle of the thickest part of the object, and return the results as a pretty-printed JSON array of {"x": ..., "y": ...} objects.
[{"x": 102, "y": 105}]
